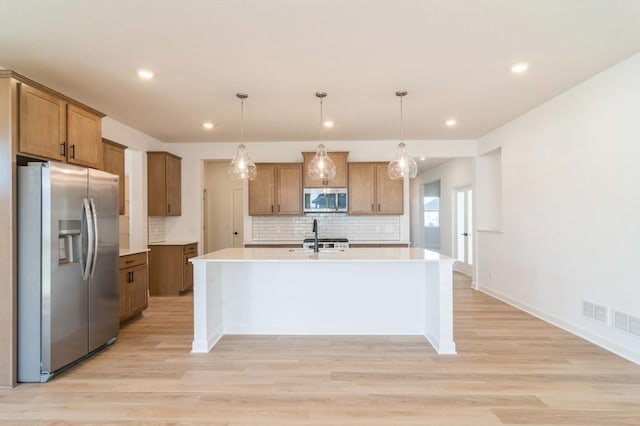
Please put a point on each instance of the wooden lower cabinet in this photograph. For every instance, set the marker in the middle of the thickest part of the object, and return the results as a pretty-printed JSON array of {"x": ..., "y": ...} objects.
[
  {"x": 134, "y": 291},
  {"x": 170, "y": 272}
]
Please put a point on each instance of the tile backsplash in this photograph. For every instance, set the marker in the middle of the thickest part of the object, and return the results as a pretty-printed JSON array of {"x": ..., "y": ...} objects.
[
  {"x": 355, "y": 228},
  {"x": 156, "y": 227}
]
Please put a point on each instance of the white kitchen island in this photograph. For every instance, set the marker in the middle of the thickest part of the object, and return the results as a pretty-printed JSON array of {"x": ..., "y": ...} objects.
[{"x": 358, "y": 291}]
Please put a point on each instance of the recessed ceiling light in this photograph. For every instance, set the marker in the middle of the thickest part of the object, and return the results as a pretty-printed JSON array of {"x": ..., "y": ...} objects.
[
  {"x": 423, "y": 158},
  {"x": 520, "y": 67},
  {"x": 207, "y": 125},
  {"x": 451, "y": 122},
  {"x": 146, "y": 74},
  {"x": 328, "y": 124}
]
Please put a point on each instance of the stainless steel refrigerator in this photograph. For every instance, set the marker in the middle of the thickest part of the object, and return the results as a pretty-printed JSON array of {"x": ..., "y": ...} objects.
[{"x": 68, "y": 266}]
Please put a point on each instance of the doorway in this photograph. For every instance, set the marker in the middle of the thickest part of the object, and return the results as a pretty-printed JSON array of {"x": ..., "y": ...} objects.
[
  {"x": 223, "y": 207},
  {"x": 463, "y": 233},
  {"x": 431, "y": 215}
]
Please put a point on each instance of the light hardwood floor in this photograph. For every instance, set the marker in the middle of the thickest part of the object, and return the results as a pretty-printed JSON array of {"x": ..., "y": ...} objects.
[{"x": 511, "y": 369}]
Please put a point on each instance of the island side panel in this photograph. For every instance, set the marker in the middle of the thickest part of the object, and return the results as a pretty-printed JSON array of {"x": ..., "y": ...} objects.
[
  {"x": 439, "y": 306},
  {"x": 358, "y": 298},
  {"x": 208, "y": 324}
]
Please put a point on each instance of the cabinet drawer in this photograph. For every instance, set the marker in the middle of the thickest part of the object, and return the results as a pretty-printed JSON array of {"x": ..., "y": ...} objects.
[
  {"x": 191, "y": 249},
  {"x": 133, "y": 260}
]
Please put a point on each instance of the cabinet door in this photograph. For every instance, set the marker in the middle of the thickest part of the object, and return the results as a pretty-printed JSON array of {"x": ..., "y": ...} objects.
[
  {"x": 187, "y": 273},
  {"x": 262, "y": 191},
  {"x": 42, "y": 124},
  {"x": 113, "y": 162},
  {"x": 289, "y": 189},
  {"x": 124, "y": 285},
  {"x": 361, "y": 188},
  {"x": 137, "y": 290},
  {"x": 340, "y": 181},
  {"x": 156, "y": 189},
  {"x": 173, "y": 184},
  {"x": 389, "y": 193},
  {"x": 84, "y": 137}
]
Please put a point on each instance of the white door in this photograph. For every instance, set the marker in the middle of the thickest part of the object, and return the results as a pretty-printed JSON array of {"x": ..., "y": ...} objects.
[
  {"x": 238, "y": 218},
  {"x": 463, "y": 230}
]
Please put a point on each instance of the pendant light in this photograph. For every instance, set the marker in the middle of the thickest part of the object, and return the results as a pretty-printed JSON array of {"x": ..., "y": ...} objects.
[
  {"x": 403, "y": 164},
  {"x": 241, "y": 167},
  {"x": 321, "y": 166}
]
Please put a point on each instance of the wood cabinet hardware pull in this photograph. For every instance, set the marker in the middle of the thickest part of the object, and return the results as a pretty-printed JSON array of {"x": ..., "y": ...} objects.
[
  {"x": 169, "y": 208},
  {"x": 129, "y": 261},
  {"x": 63, "y": 145},
  {"x": 73, "y": 151}
]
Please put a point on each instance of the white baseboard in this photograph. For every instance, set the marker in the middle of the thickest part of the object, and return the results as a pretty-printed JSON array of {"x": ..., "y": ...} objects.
[{"x": 571, "y": 328}]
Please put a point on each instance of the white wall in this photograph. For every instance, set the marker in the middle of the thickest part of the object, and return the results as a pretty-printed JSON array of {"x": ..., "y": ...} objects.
[
  {"x": 189, "y": 225},
  {"x": 452, "y": 174},
  {"x": 570, "y": 207},
  {"x": 137, "y": 144}
]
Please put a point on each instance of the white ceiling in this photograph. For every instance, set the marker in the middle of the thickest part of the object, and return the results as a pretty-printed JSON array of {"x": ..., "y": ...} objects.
[{"x": 452, "y": 56}]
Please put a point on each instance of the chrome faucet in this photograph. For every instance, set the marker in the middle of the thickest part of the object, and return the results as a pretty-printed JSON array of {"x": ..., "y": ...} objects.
[{"x": 316, "y": 249}]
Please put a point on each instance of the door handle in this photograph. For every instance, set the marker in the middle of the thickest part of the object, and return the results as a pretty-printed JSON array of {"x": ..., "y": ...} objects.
[
  {"x": 235, "y": 232},
  {"x": 88, "y": 223},
  {"x": 466, "y": 234},
  {"x": 95, "y": 236}
]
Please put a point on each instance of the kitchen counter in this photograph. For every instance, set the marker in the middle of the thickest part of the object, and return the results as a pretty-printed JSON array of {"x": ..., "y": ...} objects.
[
  {"x": 358, "y": 291},
  {"x": 173, "y": 243},
  {"x": 127, "y": 252}
]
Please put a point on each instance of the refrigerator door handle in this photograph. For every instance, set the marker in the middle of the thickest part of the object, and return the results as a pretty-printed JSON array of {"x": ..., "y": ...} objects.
[
  {"x": 88, "y": 220},
  {"x": 94, "y": 214}
]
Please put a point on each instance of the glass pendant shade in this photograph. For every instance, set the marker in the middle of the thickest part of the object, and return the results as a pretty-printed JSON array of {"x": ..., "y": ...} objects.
[
  {"x": 241, "y": 167},
  {"x": 403, "y": 165},
  {"x": 321, "y": 166}
]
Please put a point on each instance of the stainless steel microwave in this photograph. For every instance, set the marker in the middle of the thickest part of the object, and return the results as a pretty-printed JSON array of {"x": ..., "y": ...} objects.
[{"x": 325, "y": 200}]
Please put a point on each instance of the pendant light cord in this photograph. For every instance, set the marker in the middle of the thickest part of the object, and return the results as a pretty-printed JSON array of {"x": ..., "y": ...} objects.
[
  {"x": 321, "y": 126},
  {"x": 401, "y": 121},
  {"x": 241, "y": 120}
]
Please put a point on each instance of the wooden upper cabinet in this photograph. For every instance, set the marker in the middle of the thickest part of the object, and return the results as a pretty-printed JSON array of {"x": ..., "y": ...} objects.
[
  {"x": 276, "y": 190},
  {"x": 289, "y": 189},
  {"x": 164, "y": 184},
  {"x": 84, "y": 137},
  {"x": 371, "y": 191},
  {"x": 174, "y": 186},
  {"x": 54, "y": 128},
  {"x": 341, "y": 179},
  {"x": 362, "y": 190},
  {"x": 113, "y": 162},
  {"x": 42, "y": 124},
  {"x": 262, "y": 191},
  {"x": 389, "y": 192}
]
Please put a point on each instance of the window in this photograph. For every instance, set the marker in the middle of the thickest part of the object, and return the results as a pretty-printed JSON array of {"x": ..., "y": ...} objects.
[{"x": 431, "y": 212}]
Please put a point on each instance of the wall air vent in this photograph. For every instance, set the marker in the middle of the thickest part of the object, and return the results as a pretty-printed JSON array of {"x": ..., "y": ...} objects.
[
  {"x": 627, "y": 323},
  {"x": 595, "y": 312},
  {"x": 634, "y": 325},
  {"x": 621, "y": 321}
]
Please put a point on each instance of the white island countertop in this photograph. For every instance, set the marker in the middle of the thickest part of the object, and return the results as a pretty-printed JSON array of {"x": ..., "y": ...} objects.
[{"x": 373, "y": 254}]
